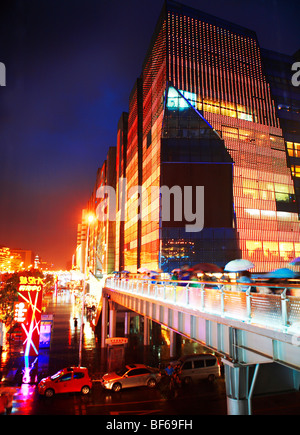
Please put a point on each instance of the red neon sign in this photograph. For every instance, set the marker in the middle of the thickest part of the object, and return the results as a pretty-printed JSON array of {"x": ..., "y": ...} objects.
[{"x": 30, "y": 299}]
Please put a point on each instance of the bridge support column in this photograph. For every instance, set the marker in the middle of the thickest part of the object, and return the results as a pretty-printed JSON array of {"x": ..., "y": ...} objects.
[
  {"x": 136, "y": 324},
  {"x": 146, "y": 331},
  {"x": 238, "y": 388},
  {"x": 127, "y": 324},
  {"x": 104, "y": 321},
  {"x": 112, "y": 319},
  {"x": 172, "y": 344}
]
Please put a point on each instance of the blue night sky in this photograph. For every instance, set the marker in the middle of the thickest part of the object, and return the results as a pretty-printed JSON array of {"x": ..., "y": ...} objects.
[{"x": 70, "y": 68}]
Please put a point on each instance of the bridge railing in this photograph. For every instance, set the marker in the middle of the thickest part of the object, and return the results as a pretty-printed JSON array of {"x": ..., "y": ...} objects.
[{"x": 229, "y": 300}]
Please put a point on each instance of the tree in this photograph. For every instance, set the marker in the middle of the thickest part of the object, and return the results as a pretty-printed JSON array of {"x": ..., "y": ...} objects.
[{"x": 48, "y": 282}]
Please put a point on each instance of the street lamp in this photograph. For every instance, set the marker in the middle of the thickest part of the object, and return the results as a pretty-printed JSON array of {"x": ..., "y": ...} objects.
[{"x": 90, "y": 219}]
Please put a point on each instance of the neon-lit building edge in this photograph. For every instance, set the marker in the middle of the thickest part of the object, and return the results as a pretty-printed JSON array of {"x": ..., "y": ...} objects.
[{"x": 200, "y": 114}]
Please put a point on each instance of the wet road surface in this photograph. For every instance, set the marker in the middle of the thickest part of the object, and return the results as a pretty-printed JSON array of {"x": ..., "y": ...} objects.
[
  {"x": 24, "y": 374},
  {"x": 200, "y": 399}
]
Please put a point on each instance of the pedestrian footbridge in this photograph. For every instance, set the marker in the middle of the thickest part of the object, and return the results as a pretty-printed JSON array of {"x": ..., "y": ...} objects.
[{"x": 254, "y": 333}]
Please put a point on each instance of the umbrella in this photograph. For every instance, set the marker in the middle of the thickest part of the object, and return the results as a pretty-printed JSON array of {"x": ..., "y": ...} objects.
[
  {"x": 295, "y": 262},
  {"x": 125, "y": 271},
  {"x": 238, "y": 265},
  {"x": 282, "y": 273},
  {"x": 143, "y": 270},
  {"x": 206, "y": 267}
]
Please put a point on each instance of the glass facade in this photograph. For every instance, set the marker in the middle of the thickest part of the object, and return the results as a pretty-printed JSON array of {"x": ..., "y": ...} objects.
[
  {"x": 133, "y": 182},
  {"x": 194, "y": 154},
  {"x": 278, "y": 69},
  {"x": 121, "y": 163},
  {"x": 220, "y": 65},
  {"x": 202, "y": 114}
]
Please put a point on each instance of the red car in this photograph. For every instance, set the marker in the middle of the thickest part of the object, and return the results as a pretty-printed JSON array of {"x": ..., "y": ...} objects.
[{"x": 68, "y": 380}]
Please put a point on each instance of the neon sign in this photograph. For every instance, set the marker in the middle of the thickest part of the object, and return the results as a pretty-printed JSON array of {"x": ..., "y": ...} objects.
[
  {"x": 116, "y": 340},
  {"x": 20, "y": 312},
  {"x": 28, "y": 312},
  {"x": 30, "y": 288}
]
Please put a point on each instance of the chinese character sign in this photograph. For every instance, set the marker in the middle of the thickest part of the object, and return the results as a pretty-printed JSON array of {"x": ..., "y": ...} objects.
[
  {"x": 28, "y": 312},
  {"x": 20, "y": 312}
]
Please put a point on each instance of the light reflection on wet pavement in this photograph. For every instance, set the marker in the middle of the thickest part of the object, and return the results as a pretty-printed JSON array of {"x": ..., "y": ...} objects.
[{"x": 24, "y": 374}]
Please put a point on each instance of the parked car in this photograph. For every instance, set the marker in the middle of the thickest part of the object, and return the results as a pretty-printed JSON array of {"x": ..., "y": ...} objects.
[
  {"x": 133, "y": 375},
  {"x": 67, "y": 380},
  {"x": 198, "y": 366}
]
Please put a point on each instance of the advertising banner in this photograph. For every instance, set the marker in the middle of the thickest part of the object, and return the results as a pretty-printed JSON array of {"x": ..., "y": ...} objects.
[
  {"x": 28, "y": 312},
  {"x": 46, "y": 330}
]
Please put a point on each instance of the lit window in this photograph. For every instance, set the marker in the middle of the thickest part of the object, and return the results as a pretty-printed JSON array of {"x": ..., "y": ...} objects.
[
  {"x": 293, "y": 149},
  {"x": 228, "y": 112},
  {"x": 282, "y": 197},
  {"x": 270, "y": 249},
  {"x": 253, "y": 212},
  {"x": 251, "y": 193},
  {"x": 245, "y": 116},
  {"x": 283, "y": 188},
  {"x": 297, "y": 249},
  {"x": 176, "y": 101},
  {"x": 211, "y": 106},
  {"x": 268, "y": 213},
  {"x": 295, "y": 171},
  {"x": 253, "y": 247},
  {"x": 230, "y": 132},
  {"x": 286, "y": 250}
]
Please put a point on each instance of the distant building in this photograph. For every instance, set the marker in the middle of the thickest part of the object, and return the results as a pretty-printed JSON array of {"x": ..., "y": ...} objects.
[
  {"x": 102, "y": 236},
  {"x": 15, "y": 259}
]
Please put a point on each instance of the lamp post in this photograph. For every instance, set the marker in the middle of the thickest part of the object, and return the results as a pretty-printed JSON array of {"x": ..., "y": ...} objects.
[{"x": 90, "y": 219}]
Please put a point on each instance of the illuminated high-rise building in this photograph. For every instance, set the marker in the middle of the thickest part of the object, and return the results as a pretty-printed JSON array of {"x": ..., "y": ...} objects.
[
  {"x": 208, "y": 119},
  {"x": 202, "y": 123},
  {"x": 101, "y": 249},
  {"x": 286, "y": 94}
]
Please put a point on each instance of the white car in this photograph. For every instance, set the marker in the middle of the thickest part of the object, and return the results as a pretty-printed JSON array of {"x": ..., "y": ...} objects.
[{"x": 132, "y": 375}]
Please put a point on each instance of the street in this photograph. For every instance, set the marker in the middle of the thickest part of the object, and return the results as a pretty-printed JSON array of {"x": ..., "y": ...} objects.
[
  {"x": 201, "y": 398},
  {"x": 204, "y": 399}
]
